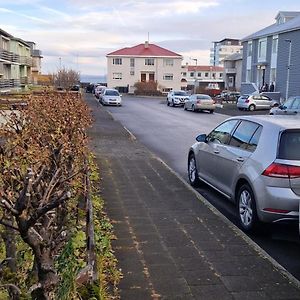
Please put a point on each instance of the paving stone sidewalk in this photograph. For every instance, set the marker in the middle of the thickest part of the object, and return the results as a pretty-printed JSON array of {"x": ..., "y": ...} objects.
[{"x": 170, "y": 243}]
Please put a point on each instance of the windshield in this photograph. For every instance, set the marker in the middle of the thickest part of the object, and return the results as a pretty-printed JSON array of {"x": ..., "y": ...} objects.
[
  {"x": 180, "y": 93},
  {"x": 289, "y": 147},
  {"x": 112, "y": 93}
]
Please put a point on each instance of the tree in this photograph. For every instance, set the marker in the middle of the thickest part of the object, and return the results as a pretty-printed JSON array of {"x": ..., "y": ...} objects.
[{"x": 66, "y": 78}]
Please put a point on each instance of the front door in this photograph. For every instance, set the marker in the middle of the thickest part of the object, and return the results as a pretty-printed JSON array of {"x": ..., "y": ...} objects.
[
  {"x": 143, "y": 77},
  {"x": 151, "y": 76}
]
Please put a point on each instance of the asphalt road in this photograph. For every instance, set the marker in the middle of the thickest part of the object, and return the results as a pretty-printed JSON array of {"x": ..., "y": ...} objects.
[{"x": 168, "y": 132}]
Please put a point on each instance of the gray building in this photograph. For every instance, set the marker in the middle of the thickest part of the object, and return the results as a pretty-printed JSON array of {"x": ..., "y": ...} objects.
[{"x": 271, "y": 56}]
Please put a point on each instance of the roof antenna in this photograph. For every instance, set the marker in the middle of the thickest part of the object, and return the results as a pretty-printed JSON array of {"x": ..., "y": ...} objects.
[{"x": 148, "y": 36}]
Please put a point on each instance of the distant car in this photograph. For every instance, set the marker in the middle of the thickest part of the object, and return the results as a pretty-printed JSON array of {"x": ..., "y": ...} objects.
[
  {"x": 199, "y": 102},
  {"x": 75, "y": 88},
  {"x": 255, "y": 102},
  {"x": 111, "y": 97},
  {"x": 89, "y": 88},
  {"x": 254, "y": 161},
  {"x": 290, "y": 107},
  {"x": 231, "y": 96},
  {"x": 98, "y": 90},
  {"x": 177, "y": 98}
]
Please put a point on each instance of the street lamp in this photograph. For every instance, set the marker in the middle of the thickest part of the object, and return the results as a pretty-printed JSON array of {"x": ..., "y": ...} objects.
[
  {"x": 196, "y": 60},
  {"x": 288, "y": 69}
]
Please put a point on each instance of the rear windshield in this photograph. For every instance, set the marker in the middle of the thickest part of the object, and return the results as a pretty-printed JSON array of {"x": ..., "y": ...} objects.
[
  {"x": 111, "y": 93},
  {"x": 289, "y": 147},
  {"x": 204, "y": 97}
]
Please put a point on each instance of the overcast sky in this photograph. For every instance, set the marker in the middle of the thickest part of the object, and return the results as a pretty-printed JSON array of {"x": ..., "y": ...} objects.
[{"x": 82, "y": 32}]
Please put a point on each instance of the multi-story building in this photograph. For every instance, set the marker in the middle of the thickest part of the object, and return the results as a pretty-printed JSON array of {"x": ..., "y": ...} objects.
[
  {"x": 142, "y": 63},
  {"x": 271, "y": 55},
  {"x": 15, "y": 62},
  {"x": 222, "y": 49},
  {"x": 36, "y": 55},
  {"x": 233, "y": 72},
  {"x": 201, "y": 76}
]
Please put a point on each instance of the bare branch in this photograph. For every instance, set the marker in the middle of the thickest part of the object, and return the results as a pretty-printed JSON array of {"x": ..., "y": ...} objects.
[
  {"x": 9, "y": 225},
  {"x": 11, "y": 286},
  {"x": 9, "y": 207},
  {"x": 50, "y": 188}
]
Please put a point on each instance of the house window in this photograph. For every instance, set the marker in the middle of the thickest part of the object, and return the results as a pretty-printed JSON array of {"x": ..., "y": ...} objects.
[
  {"x": 117, "y": 61},
  {"x": 275, "y": 44},
  {"x": 168, "y": 62},
  {"x": 132, "y": 62},
  {"x": 183, "y": 74},
  {"x": 199, "y": 74},
  {"x": 192, "y": 74},
  {"x": 149, "y": 61},
  {"x": 168, "y": 77},
  {"x": 262, "y": 49},
  {"x": 220, "y": 75},
  {"x": 132, "y": 73},
  {"x": 249, "y": 50},
  {"x": 206, "y": 74},
  {"x": 117, "y": 76},
  {"x": 213, "y": 75}
]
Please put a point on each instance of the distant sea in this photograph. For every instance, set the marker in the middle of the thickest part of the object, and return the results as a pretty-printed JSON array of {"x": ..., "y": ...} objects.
[{"x": 93, "y": 78}]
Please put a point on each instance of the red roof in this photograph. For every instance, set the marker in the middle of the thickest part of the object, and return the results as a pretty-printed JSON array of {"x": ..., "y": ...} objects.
[
  {"x": 141, "y": 50},
  {"x": 205, "y": 68}
]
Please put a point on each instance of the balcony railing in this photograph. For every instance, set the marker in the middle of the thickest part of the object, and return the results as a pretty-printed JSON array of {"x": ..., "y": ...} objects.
[
  {"x": 25, "y": 60},
  {"x": 230, "y": 70},
  {"x": 9, "y": 56},
  {"x": 9, "y": 83},
  {"x": 24, "y": 80}
]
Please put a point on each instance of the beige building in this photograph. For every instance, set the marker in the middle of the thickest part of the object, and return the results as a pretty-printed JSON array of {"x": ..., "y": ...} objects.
[
  {"x": 233, "y": 72},
  {"x": 16, "y": 62},
  {"x": 143, "y": 63}
]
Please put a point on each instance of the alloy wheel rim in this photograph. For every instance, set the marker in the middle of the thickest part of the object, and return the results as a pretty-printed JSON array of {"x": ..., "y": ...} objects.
[
  {"x": 192, "y": 169},
  {"x": 246, "y": 212}
]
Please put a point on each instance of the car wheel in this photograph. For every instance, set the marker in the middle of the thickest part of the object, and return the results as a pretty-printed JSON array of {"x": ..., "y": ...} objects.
[
  {"x": 173, "y": 104},
  {"x": 193, "y": 108},
  {"x": 192, "y": 171},
  {"x": 252, "y": 107},
  {"x": 211, "y": 111},
  {"x": 240, "y": 108},
  {"x": 246, "y": 207},
  {"x": 184, "y": 107}
]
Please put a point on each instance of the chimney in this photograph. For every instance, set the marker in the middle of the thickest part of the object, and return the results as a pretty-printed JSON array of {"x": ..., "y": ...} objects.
[{"x": 146, "y": 44}]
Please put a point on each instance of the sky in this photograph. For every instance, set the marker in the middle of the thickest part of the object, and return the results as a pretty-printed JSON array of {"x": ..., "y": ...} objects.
[{"x": 77, "y": 34}]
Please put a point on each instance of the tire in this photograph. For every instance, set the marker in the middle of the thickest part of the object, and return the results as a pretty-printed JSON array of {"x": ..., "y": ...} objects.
[
  {"x": 252, "y": 107},
  {"x": 246, "y": 209},
  {"x": 193, "y": 108},
  {"x": 173, "y": 104},
  {"x": 168, "y": 103},
  {"x": 192, "y": 171},
  {"x": 240, "y": 108},
  {"x": 211, "y": 111},
  {"x": 184, "y": 107}
]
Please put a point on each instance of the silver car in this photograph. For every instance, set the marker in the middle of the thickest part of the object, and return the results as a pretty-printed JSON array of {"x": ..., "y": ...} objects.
[
  {"x": 290, "y": 107},
  {"x": 255, "y": 162},
  {"x": 255, "y": 102},
  {"x": 111, "y": 97},
  {"x": 199, "y": 102}
]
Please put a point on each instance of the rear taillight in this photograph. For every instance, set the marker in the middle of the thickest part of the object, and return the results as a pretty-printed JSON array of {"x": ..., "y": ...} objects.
[
  {"x": 282, "y": 171},
  {"x": 199, "y": 101},
  {"x": 247, "y": 101}
]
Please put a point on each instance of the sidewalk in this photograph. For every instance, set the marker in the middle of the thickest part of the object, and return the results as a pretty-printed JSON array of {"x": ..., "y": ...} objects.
[{"x": 170, "y": 243}]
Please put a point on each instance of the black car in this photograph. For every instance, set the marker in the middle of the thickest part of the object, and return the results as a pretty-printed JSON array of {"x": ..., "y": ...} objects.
[{"x": 75, "y": 88}]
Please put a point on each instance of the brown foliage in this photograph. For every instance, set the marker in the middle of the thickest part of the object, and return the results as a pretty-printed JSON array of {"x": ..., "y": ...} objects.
[{"x": 149, "y": 88}]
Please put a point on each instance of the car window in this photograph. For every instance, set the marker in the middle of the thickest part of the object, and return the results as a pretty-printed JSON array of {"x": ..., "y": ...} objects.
[
  {"x": 289, "y": 147},
  {"x": 180, "y": 93},
  {"x": 203, "y": 97},
  {"x": 254, "y": 140},
  {"x": 111, "y": 93},
  {"x": 265, "y": 98},
  {"x": 288, "y": 103},
  {"x": 243, "y": 134},
  {"x": 221, "y": 134},
  {"x": 296, "y": 104}
]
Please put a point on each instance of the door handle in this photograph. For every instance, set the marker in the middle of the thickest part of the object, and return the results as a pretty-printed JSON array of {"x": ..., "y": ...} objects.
[{"x": 240, "y": 159}]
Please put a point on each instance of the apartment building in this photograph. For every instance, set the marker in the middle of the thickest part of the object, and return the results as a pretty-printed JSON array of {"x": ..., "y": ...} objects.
[
  {"x": 271, "y": 55},
  {"x": 143, "y": 63},
  {"x": 233, "y": 72},
  {"x": 201, "y": 76},
  {"x": 16, "y": 62},
  {"x": 222, "y": 49}
]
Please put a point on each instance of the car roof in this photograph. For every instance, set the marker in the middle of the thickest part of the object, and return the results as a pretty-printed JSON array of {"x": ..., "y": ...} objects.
[{"x": 282, "y": 122}]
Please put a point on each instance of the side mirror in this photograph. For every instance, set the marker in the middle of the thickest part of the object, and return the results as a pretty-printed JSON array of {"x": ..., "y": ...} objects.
[
  {"x": 120, "y": 95},
  {"x": 201, "y": 138}
]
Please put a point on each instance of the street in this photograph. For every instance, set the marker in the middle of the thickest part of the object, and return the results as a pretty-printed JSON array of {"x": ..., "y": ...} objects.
[{"x": 169, "y": 132}]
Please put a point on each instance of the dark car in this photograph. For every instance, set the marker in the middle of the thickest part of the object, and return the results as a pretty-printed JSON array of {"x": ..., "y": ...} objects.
[{"x": 75, "y": 88}]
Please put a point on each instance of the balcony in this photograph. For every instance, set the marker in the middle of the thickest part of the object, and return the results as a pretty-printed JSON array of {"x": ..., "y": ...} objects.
[
  {"x": 24, "y": 80},
  {"x": 25, "y": 60},
  {"x": 9, "y": 83},
  {"x": 230, "y": 70},
  {"x": 9, "y": 56}
]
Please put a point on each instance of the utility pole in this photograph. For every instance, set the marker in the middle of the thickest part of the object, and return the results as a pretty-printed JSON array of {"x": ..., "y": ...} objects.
[{"x": 195, "y": 75}]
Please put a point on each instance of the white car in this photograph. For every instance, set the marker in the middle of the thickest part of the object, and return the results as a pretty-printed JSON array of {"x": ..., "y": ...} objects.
[
  {"x": 177, "y": 98},
  {"x": 199, "y": 102},
  {"x": 111, "y": 97},
  {"x": 98, "y": 90}
]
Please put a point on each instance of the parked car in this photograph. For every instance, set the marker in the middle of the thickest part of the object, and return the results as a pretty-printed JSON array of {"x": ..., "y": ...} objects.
[
  {"x": 98, "y": 90},
  {"x": 232, "y": 96},
  {"x": 199, "y": 102},
  {"x": 255, "y": 162},
  {"x": 75, "y": 88},
  {"x": 290, "y": 107},
  {"x": 177, "y": 98},
  {"x": 111, "y": 97},
  {"x": 255, "y": 102},
  {"x": 89, "y": 88}
]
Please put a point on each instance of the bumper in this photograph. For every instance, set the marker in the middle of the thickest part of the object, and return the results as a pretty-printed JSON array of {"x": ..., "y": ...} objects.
[
  {"x": 206, "y": 106},
  {"x": 242, "y": 105}
]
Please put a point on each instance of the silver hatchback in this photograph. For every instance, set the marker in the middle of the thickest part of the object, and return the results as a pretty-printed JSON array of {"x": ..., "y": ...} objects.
[
  {"x": 255, "y": 102},
  {"x": 290, "y": 107},
  {"x": 255, "y": 162}
]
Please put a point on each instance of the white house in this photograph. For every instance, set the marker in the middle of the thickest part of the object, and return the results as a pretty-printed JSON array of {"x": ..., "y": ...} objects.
[{"x": 143, "y": 62}]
